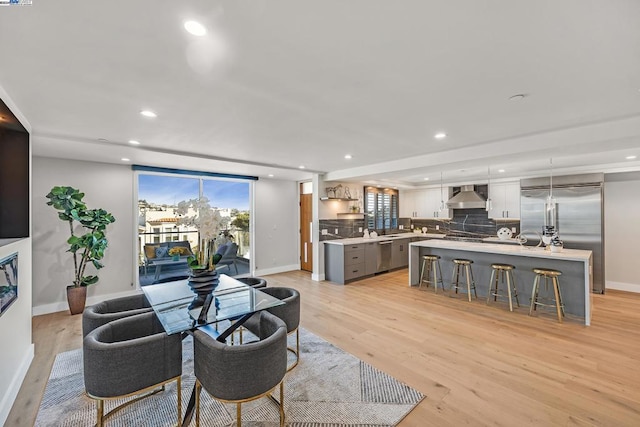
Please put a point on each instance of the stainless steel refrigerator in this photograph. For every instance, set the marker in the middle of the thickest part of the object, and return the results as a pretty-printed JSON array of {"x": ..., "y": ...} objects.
[{"x": 579, "y": 210}]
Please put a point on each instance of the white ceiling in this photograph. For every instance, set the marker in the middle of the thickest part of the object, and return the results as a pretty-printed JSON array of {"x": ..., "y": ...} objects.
[{"x": 276, "y": 84}]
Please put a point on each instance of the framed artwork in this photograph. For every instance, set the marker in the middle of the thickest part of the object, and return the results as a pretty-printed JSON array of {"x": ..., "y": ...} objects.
[{"x": 8, "y": 281}]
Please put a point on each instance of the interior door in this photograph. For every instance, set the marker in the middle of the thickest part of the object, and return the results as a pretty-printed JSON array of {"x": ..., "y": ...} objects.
[{"x": 306, "y": 247}]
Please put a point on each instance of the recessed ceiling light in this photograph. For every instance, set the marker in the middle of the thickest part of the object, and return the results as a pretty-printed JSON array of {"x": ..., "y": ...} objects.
[
  {"x": 630, "y": 157},
  {"x": 301, "y": 166},
  {"x": 125, "y": 159},
  {"x": 426, "y": 179},
  {"x": 270, "y": 175},
  {"x": 148, "y": 113},
  {"x": 500, "y": 170},
  {"x": 518, "y": 97},
  {"x": 347, "y": 156},
  {"x": 134, "y": 142},
  {"x": 440, "y": 135},
  {"x": 195, "y": 28}
]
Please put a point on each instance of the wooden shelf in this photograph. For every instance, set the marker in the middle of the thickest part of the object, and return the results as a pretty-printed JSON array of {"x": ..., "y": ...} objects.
[{"x": 340, "y": 199}]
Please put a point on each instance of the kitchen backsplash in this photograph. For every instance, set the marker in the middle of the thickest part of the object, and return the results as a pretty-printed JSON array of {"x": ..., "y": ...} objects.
[{"x": 465, "y": 222}]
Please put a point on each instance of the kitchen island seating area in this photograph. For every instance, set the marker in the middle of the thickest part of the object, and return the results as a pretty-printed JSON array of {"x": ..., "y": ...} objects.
[{"x": 575, "y": 265}]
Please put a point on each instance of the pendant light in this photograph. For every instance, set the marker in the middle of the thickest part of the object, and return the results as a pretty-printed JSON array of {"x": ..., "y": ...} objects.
[
  {"x": 441, "y": 195},
  {"x": 488, "y": 203},
  {"x": 550, "y": 206}
]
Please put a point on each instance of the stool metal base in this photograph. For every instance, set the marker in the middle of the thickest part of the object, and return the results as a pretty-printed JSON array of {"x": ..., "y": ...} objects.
[
  {"x": 431, "y": 266},
  {"x": 465, "y": 266},
  {"x": 549, "y": 276},
  {"x": 500, "y": 274}
]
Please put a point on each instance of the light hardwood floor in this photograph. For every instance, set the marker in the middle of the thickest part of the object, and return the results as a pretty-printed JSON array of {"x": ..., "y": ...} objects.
[{"x": 476, "y": 364}]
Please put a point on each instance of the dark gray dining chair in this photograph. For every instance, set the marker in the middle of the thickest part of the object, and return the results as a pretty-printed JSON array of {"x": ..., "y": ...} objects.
[
  {"x": 113, "y": 309},
  {"x": 130, "y": 356},
  {"x": 241, "y": 373},
  {"x": 289, "y": 313}
]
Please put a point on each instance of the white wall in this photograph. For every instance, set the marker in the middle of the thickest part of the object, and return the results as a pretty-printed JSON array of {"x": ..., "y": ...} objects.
[
  {"x": 106, "y": 186},
  {"x": 622, "y": 233},
  {"x": 17, "y": 349},
  {"x": 111, "y": 187},
  {"x": 277, "y": 222},
  {"x": 15, "y": 330}
]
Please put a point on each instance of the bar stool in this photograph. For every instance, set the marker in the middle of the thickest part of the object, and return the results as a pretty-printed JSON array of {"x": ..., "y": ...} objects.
[
  {"x": 464, "y": 266},
  {"x": 500, "y": 274},
  {"x": 549, "y": 275},
  {"x": 431, "y": 266}
]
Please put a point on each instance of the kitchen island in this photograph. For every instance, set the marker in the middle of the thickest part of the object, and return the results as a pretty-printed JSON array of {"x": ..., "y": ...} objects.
[{"x": 576, "y": 267}]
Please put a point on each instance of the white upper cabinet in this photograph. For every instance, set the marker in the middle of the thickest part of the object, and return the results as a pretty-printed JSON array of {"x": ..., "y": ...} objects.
[
  {"x": 505, "y": 200},
  {"x": 424, "y": 203}
]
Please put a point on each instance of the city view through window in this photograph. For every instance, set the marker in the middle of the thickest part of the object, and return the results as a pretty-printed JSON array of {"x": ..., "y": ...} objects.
[{"x": 167, "y": 220}]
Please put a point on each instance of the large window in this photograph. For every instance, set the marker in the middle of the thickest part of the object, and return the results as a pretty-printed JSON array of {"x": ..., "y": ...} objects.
[
  {"x": 161, "y": 225},
  {"x": 381, "y": 208}
]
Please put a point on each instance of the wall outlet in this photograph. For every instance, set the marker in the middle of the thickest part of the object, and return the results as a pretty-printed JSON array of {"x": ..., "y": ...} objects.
[
  {"x": 359, "y": 229},
  {"x": 324, "y": 231},
  {"x": 437, "y": 227},
  {"x": 402, "y": 227},
  {"x": 513, "y": 230},
  {"x": 336, "y": 231}
]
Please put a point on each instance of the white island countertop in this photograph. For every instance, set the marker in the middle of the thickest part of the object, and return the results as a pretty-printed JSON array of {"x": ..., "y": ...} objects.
[
  {"x": 358, "y": 240},
  {"x": 498, "y": 248}
]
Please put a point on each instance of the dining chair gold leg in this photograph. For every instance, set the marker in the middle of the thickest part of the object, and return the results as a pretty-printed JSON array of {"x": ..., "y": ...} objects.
[
  {"x": 239, "y": 414},
  {"x": 198, "y": 388},
  {"x": 179, "y": 391},
  {"x": 282, "y": 403},
  {"x": 100, "y": 413}
]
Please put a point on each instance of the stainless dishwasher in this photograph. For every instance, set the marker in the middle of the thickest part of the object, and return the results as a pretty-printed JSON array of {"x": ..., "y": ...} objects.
[{"x": 384, "y": 256}]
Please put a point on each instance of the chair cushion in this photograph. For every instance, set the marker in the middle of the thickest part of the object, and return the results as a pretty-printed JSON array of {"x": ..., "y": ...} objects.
[
  {"x": 150, "y": 251},
  {"x": 162, "y": 251}
]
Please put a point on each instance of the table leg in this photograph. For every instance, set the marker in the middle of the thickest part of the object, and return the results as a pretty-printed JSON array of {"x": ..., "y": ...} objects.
[{"x": 157, "y": 275}]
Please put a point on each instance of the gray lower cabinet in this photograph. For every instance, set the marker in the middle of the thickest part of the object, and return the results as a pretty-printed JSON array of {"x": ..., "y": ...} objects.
[
  {"x": 400, "y": 253},
  {"x": 370, "y": 258},
  {"x": 343, "y": 263}
]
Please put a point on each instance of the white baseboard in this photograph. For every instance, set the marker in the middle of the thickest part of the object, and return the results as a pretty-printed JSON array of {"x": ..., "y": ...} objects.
[
  {"x": 620, "y": 286},
  {"x": 317, "y": 277},
  {"x": 275, "y": 270},
  {"x": 6, "y": 401},
  {"x": 63, "y": 306}
]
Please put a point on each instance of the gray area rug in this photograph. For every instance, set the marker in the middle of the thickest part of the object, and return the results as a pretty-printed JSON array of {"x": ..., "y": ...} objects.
[{"x": 328, "y": 388}]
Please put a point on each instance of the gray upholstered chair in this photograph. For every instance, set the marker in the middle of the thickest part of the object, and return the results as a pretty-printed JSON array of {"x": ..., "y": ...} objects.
[
  {"x": 241, "y": 373},
  {"x": 130, "y": 356},
  {"x": 289, "y": 312},
  {"x": 113, "y": 309},
  {"x": 229, "y": 258}
]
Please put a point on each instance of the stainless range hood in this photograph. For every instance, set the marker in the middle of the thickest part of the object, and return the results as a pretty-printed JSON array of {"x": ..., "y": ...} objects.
[{"x": 467, "y": 198}]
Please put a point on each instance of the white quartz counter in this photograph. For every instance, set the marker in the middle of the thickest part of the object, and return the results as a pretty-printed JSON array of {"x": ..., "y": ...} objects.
[
  {"x": 498, "y": 248},
  {"x": 358, "y": 240}
]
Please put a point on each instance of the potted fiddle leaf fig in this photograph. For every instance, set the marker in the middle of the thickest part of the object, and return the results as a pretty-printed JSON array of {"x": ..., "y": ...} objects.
[{"x": 87, "y": 246}]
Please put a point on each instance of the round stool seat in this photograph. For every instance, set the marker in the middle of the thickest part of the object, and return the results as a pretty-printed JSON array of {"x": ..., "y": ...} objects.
[
  {"x": 462, "y": 261},
  {"x": 547, "y": 272},
  {"x": 498, "y": 266},
  {"x": 431, "y": 257}
]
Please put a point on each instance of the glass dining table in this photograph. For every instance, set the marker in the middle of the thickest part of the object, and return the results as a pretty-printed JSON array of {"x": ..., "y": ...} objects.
[{"x": 180, "y": 310}]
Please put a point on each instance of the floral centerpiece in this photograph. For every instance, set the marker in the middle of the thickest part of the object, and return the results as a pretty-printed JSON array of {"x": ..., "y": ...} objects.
[{"x": 199, "y": 214}]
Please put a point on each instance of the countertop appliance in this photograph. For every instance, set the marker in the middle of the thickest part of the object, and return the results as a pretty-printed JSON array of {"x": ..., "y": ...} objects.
[{"x": 580, "y": 215}]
